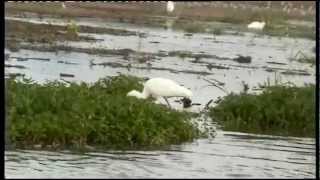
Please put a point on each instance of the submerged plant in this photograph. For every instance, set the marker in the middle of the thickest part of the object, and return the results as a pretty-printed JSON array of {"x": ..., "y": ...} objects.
[{"x": 99, "y": 115}]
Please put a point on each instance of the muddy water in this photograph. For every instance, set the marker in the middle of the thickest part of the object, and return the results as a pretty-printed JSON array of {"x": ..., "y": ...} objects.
[{"x": 229, "y": 154}]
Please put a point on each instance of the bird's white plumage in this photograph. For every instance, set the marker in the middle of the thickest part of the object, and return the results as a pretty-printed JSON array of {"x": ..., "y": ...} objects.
[
  {"x": 63, "y": 5},
  {"x": 170, "y": 6},
  {"x": 256, "y": 25},
  {"x": 161, "y": 87},
  {"x": 136, "y": 94}
]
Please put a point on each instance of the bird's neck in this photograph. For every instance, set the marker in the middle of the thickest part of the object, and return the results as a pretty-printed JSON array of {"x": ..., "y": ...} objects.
[
  {"x": 141, "y": 95},
  {"x": 144, "y": 94}
]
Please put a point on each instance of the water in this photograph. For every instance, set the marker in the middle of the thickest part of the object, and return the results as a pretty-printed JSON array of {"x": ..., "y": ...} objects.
[{"x": 228, "y": 155}]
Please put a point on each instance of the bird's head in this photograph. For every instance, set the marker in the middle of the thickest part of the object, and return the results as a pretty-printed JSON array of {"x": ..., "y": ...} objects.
[
  {"x": 136, "y": 94},
  {"x": 170, "y": 6},
  {"x": 186, "y": 102}
]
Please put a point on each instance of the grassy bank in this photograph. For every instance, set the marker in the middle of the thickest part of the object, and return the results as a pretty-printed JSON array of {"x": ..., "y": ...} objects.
[
  {"x": 191, "y": 20},
  {"x": 54, "y": 115},
  {"x": 279, "y": 110}
]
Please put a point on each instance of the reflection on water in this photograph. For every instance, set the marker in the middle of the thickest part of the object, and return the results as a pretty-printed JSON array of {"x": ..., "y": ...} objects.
[{"x": 228, "y": 155}]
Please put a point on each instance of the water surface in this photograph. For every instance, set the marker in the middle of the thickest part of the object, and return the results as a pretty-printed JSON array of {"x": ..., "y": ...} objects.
[{"x": 228, "y": 155}]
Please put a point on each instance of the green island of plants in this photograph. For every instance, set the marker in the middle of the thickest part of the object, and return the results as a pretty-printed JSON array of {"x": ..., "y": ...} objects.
[
  {"x": 54, "y": 115},
  {"x": 278, "y": 110}
]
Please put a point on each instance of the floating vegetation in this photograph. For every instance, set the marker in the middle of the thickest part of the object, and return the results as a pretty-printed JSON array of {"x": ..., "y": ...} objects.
[
  {"x": 181, "y": 54},
  {"x": 243, "y": 59},
  {"x": 301, "y": 73},
  {"x": 32, "y": 58},
  {"x": 19, "y": 31},
  {"x": 278, "y": 110},
  {"x": 189, "y": 54},
  {"x": 72, "y": 29},
  {"x": 277, "y": 20},
  {"x": 215, "y": 31},
  {"x": 14, "y": 75},
  {"x": 211, "y": 66},
  {"x": 66, "y": 75},
  {"x": 54, "y": 48},
  {"x": 66, "y": 62},
  {"x": 53, "y": 115},
  {"x": 6, "y": 57},
  {"x": 119, "y": 65},
  {"x": 277, "y": 63},
  {"x": 286, "y": 30},
  {"x": 309, "y": 60},
  {"x": 303, "y": 58},
  {"x": 14, "y": 66},
  {"x": 190, "y": 27}
]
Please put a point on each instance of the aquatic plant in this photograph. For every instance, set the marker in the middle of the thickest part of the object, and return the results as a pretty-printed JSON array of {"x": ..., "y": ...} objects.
[
  {"x": 142, "y": 16},
  {"x": 303, "y": 58},
  {"x": 72, "y": 29},
  {"x": 18, "y": 31},
  {"x": 278, "y": 110},
  {"x": 192, "y": 28},
  {"x": 286, "y": 30},
  {"x": 54, "y": 115}
]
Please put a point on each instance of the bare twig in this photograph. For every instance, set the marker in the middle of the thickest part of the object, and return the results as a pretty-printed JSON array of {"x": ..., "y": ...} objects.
[
  {"x": 65, "y": 81},
  {"x": 25, "y": 59},
  {"x": 219, "y": 82},
  {"x": 214, "y": 84},
  {"x": 208, "y": 103},
  {"x": 300, "y": 52}
]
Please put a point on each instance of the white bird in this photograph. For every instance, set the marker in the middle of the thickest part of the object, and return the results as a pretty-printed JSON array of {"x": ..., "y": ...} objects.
[
  {"x": 170, "y": 6},
  {"x": 63, "y": 5},
  {"x": 161, "y": 87},
  {"x": 257, "y": 25}
]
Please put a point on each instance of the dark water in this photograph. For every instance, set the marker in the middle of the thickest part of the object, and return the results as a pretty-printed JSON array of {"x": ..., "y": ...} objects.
[{"x": 228, "y": 155}]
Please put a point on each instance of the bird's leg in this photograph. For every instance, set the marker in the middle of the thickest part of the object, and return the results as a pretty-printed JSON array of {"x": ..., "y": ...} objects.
[{"x": 167, "y": 101}]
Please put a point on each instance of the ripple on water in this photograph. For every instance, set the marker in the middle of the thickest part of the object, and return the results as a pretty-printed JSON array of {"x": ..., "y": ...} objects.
[{"x": 216, "y": 158}]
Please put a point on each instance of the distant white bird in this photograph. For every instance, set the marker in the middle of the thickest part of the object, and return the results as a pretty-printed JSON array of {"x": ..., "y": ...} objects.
[
  {"x": 170, "y": 6},
  {"x": 257, "y": 25},
  {"x": 63, "y": 5},
  {"x": 161, "y": 87}
]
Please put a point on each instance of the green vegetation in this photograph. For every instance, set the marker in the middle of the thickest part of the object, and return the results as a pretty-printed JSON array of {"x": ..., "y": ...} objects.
[
  {"x": 18, "y": 31},
  {"x": 190, "y": 27},
  {"x": 72, "y": 29},
  {"x": 192, "y": 21},
  {"x": 309, "y": 60},
  {"x": 286, "y": 30},
  {"x": 303, "y": 58},
  {"x": 53, "y": 115},
  {"x": 279, "y": 110}
]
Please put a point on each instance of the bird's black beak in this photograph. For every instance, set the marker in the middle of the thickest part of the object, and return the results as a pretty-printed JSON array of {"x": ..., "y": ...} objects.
[{"x": 186, "y": 102}]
